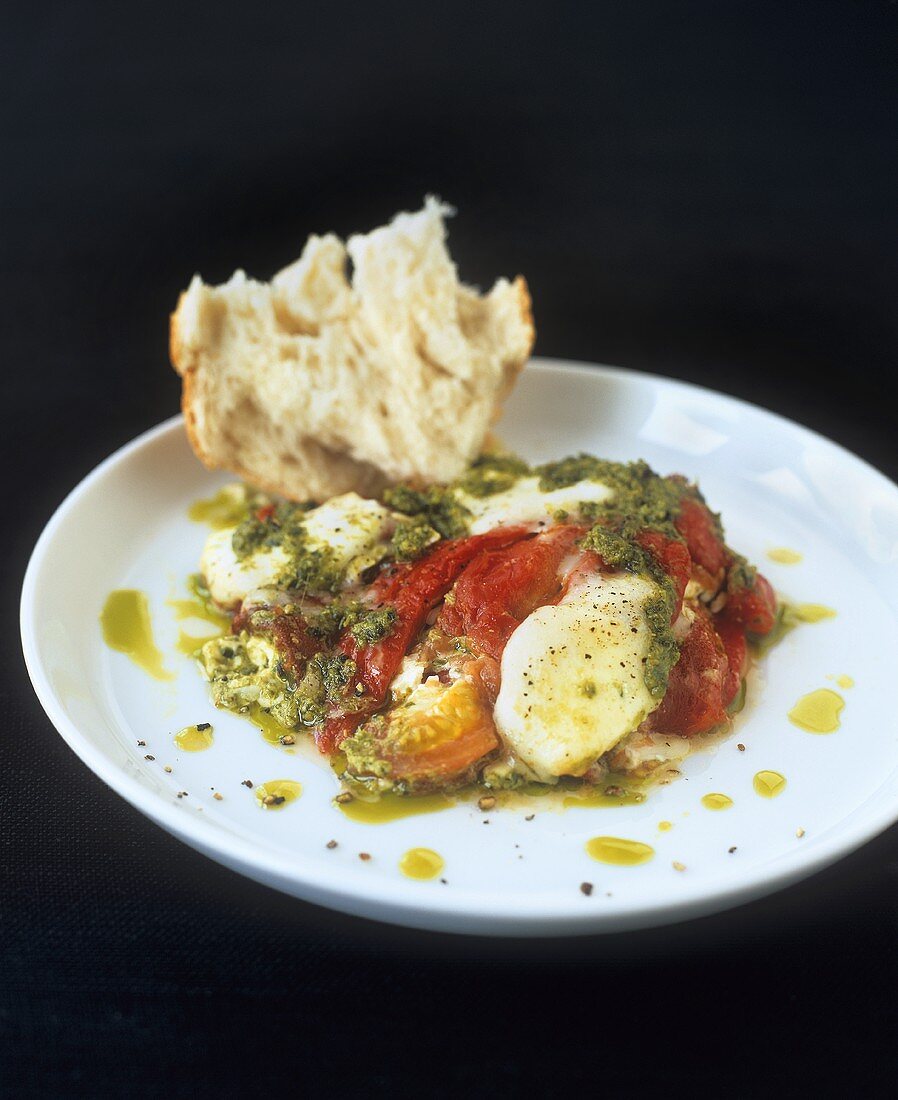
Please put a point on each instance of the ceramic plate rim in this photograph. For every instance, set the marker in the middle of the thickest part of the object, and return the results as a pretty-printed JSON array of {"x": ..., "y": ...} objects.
[{"x": 540, "y": 914}]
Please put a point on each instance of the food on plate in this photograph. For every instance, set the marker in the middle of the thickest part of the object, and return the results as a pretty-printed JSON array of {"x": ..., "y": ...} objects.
[
  {"x": 551, "y": 623},
  {"x": 317, "y": 384},
  {"x": 435, "y": 613}
]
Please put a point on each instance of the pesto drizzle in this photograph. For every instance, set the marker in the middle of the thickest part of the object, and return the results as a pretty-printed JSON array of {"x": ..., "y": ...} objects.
[
  {"x": 641, "y": 500},
  {"x": 366, "y": 625},
  {"x": 621, "y": 553},
  {"x": 310, "y": 566},
  {"x": 436, "y": 506}
]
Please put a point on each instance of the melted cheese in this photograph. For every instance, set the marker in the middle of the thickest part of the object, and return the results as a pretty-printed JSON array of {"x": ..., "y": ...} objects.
[
  {"x": 524, "y": 502},
  {"x": 228, "y": 579},
  {"x": 572, "y": 677},
  {"x": 351, "y": 527}
]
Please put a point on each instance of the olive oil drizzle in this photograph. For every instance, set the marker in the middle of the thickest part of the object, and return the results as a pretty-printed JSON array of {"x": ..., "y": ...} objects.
[
  {"x": 195, "y": 738},
  {"x": 197, "y": 609},
  {"x": 190, "y": 644},
  {"x": 784, "y": 556},
  {"x": 717, "y": 801},
  {"x": 392, "y": 807},
  {"x": 618, "y": 851},
  {"x": 128, "y": 629},
  {"x": 789, "y": 616},
  {"x": 769, "y": 784},
  {"x": 818, "y": 711},
  {"x": 274, "y": 794},
  {"x": 222, "y": 510},
  {"x": 421, "y": 863}
]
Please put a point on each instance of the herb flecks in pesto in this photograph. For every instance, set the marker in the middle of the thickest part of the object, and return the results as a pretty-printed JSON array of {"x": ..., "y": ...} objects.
[
  {"x": 310, "y": 565},
  {"x": 663, "y": 652},
  {"x": 492, "y": 473},
  {"x": 620, "y": 552},
  {"x": 741, "y": 573},
  {"x": 640, "y": 498},
  {"x": 411, "y": 539},
  {"x": 366, "y": 625},
  {"x": 568, "y": 471},
  {"x": 364, "y": 751},
  {"x": 244, "y": 673},
  {"x": 438, "y": 506},
  {"x": 373, "y": 626},
  {"x": 615, "y": 550}
]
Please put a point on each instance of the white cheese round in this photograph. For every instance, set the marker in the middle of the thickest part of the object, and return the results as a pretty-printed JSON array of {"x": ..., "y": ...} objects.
[
  {"x": 525, "y": 503},
  {"x": 228, "y": 579},
  {"x": 572, "y": 677}
]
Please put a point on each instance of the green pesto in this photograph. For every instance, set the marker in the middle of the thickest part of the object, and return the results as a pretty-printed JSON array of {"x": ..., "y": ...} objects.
[
  {"x": 742, "y": 573},
  {"x": 663, "y": 652},
  {"x": 620, "y": 552},
  {"x": 284, "y": 525},
  {"x": 310, "y": 566},
  {"x": 244, "y": 672},
  {"x": 642, "y": 499},
  {"x": 239, "y": 681},
  {"x": 568, "y": 471},
  {"x": 411, "y": 539},
  {"x": 366, "y": 625},
  {"x": 615, "y": 550},
  {"x": 365, "y": 761},
  {"x": 331, "y": 619},
  {"x": 334, "y": 670},
  {"x": 492, "y": 473},
  {"x": 436, "y": 505},
  {"x": 373, "y": 626}
]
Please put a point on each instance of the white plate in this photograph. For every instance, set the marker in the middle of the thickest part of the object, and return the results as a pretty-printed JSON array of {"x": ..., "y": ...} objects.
[{"x": 777, "y": 484}]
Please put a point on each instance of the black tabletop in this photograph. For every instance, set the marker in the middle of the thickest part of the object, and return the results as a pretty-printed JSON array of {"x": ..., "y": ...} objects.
[{"x": 704, "y": 190}]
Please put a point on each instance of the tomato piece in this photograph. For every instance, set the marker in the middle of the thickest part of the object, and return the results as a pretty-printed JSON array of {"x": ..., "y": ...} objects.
[
  {"x": 697, "y": 526},
  {"x": 754, "y": 608},
  {"x": 486, "y": 674},
  {"x": 732, "y": 634},
  {"x": 413, "y": 590},
  {"x": 694, "y": 700},
  {"x": 443, "y": 743},
  {"x": 500, "y": 588},
  {"x": 295, "y": 645},
  {"x": 337, "y": 727}
]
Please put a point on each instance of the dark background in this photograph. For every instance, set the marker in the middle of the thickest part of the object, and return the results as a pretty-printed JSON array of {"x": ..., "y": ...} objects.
[{"x": 702, "y": 190}]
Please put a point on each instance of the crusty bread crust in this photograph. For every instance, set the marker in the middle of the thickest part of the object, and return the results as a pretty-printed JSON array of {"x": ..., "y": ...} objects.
[
  {"x": 525, "y": 304},
  {"x": 188, "y": 387},
  {"x": 327, "y": 461},
  {"x": 525, "y": 307}
]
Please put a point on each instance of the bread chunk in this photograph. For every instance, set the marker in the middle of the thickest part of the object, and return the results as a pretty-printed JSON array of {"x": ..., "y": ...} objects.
[{"x": 316, "y": 384}]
